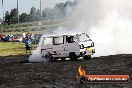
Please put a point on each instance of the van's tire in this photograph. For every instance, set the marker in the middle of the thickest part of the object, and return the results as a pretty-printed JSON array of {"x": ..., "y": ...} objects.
[
  {"x": 87, "y": 57},
  {"x": 73, "y": 56},
  {"x": 63, "y": 59},
  {"x": 49, "y": 57}
]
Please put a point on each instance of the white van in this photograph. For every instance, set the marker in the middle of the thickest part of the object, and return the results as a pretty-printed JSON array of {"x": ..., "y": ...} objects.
[{"x": 67, "y": 46}]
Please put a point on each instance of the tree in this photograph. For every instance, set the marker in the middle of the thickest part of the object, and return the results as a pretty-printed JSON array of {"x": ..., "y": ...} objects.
[
  {"x": 33, "y": 10},
  {"x": 47, "y": 13},
  {"x": 37, "y": 15},
  {"x": 14, "y": 15},
  {"x": 33, "y": 13},
  {"x": 59, "y": 11},
  {"x": 23, "y": 18},
  {"x": 7, "y": 18},
  {"x": 43, "y": 13}
]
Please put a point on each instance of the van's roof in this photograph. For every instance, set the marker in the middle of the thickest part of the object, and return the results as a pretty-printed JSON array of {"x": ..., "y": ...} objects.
[{"x": 57, "y": 35}]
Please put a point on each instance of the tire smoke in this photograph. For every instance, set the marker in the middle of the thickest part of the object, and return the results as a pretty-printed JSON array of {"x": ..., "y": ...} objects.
[
  {"x": 36, "y": 54},
  {"x": 108, "y": 22}
]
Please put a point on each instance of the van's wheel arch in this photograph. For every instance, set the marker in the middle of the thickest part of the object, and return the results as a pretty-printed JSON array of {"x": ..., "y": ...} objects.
[{"x": 73, "y": 56}]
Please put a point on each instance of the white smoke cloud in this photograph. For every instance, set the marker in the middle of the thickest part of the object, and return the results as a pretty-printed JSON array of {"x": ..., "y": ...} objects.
[
  {"x": 108, "y": 22},
  {"x": 36, "y": 54}
]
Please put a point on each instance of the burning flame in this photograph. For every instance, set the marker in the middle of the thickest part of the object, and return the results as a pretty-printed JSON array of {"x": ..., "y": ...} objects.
[{"x": 81, "y": 71}]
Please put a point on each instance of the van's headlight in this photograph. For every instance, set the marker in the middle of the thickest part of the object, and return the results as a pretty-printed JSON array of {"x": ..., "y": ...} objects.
[
  {"x": 81, "y": 46},
  {"x": 93, "y": 51},
  {"x": 92, "y": 44}
]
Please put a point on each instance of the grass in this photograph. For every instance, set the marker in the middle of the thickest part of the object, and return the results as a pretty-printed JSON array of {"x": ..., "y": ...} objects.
[
  {"x": 12, "y": 48},
  {"x": 30, "y": 26}
]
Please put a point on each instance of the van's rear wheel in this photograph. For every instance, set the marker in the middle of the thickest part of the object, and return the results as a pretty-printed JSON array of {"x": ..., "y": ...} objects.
[
  {"x": 87, "y": 57},
  {"x": 49, "y": 57},
  {"x": 73, "y": 56}
]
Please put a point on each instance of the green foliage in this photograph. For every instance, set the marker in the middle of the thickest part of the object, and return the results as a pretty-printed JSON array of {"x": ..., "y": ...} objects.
[
  {"x": 14, "y": 16},
  {"x": 23, "y": 18},
  {"x": 58, "y": 12},
  {"x": 7, "y": 17},
  {"x": 31, "y": 21}
]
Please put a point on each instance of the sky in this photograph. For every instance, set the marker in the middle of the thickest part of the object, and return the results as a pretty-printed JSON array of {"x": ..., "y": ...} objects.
[{"x": 25, "y": 5}]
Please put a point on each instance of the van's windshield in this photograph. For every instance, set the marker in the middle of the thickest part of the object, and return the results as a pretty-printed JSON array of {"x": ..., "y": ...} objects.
[{"x": 83, "y": 38}]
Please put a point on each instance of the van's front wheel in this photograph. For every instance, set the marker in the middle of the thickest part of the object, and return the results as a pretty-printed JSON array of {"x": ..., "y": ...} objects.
[
  {"x": 73, "y": 56},
  {"x": 87, "y": 57}
]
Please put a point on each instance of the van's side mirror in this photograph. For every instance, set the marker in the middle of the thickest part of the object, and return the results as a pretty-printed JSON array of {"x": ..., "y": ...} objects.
[
  {"x": 81, "y": 46},
  {"x": 90, "y": 39}
]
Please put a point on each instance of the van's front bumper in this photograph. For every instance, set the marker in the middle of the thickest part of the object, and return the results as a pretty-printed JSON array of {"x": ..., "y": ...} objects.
[{"x": 87, "y": 51}]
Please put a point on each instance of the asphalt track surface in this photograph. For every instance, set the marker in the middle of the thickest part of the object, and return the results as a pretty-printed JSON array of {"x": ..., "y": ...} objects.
[{"x": 16, "y": 72}]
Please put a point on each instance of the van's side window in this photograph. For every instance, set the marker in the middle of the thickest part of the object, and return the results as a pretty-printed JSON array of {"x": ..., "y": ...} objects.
[
  {"x": 47, "y": 41},
  {"x": 70, "y": 39},
  {"x": 58, "y": 40}
]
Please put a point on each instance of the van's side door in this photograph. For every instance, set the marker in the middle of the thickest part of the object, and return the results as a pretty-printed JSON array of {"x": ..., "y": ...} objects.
[
  {"x": 59, "y": 47},
  {"x": 71, "y": 45}
]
